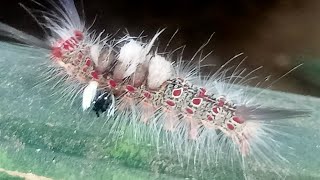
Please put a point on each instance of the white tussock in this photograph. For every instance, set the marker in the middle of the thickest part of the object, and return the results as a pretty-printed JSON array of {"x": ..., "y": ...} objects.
[
  {"x": 95, "y": 52},
  {"x": 89, "y": 94},
  {"x": 131, "y": 55},
  {"x": 160, "y": 70}
]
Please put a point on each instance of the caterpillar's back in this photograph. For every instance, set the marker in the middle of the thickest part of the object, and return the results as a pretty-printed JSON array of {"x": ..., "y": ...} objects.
[{"x": 208, "y": 121}]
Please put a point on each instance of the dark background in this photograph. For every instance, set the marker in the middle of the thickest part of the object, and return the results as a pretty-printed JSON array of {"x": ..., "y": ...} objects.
[{"x": 275, "y": 34}]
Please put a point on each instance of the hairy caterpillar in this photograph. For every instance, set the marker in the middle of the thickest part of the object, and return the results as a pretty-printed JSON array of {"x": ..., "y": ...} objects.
[{"x": 205, "y": 118}]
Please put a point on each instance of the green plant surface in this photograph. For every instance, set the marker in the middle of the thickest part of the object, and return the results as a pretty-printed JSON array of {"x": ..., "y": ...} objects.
[{"x": 48, "y": 135}]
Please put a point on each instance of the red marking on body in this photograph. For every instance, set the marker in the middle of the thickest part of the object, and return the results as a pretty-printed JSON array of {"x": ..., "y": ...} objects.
[
  {"x": 230, "y": 126},
  {"x": 112, "y": 83},
  {"x": 189, "y": 110},
  {"x": 196, "y": 101},
  {"x": 78, "y": 35},
  {"x": 85, "y": 69},
  {"x": 209, "y": 118},
  {"x": 88, "y": 61},
  {"x": 95, "y": 74},
  {"x": 147, "y": 95},
  {"x": 170, "y": 103},
  {"x": 221, "y": 102},
  {"x": 177, "y": 92},
  {"x": 56, "y": 52},
  {"x": 238, "y": 120},
  {"x": 130, "y": 88},
  {"x": 66, "y": 46},
  {"x": 215, "y": 110}
]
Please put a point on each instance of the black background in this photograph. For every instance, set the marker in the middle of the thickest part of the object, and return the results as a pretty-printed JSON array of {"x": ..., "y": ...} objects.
[{"x": 266, "y": 31}]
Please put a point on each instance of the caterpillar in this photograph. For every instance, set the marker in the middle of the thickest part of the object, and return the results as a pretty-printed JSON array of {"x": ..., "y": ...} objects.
[{"x": 204, "y": 118}]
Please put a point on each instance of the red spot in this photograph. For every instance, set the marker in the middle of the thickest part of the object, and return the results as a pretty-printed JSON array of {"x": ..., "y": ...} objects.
[
  {"x": 79, "y": 35},
  {"x": 112, "y": 83},
  {"x": 197, "y": 101},
  {"x": 66, "y": 46},
  {"x": 85, "y": 69},
  {"x": 176, "y": 92},
  {"x": 88, "y": 61},
  {"x": 130, "y": 88},
  {"x": 202, "y": 92},
  {"x": 209, "y": 118},
  {"x": 230, "y": 126},
  {"x": 170, "y": 103},
  {"x": 56, "y": 52},
  {"x": 147, "y": 95},
  {"x": 221, "y": 102},
  {"x": 189, "y": 110},
  {"x": 94, "y": 74},
  {"x": 215, "y": 110},
  {"x": 238, "y": 120}
]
